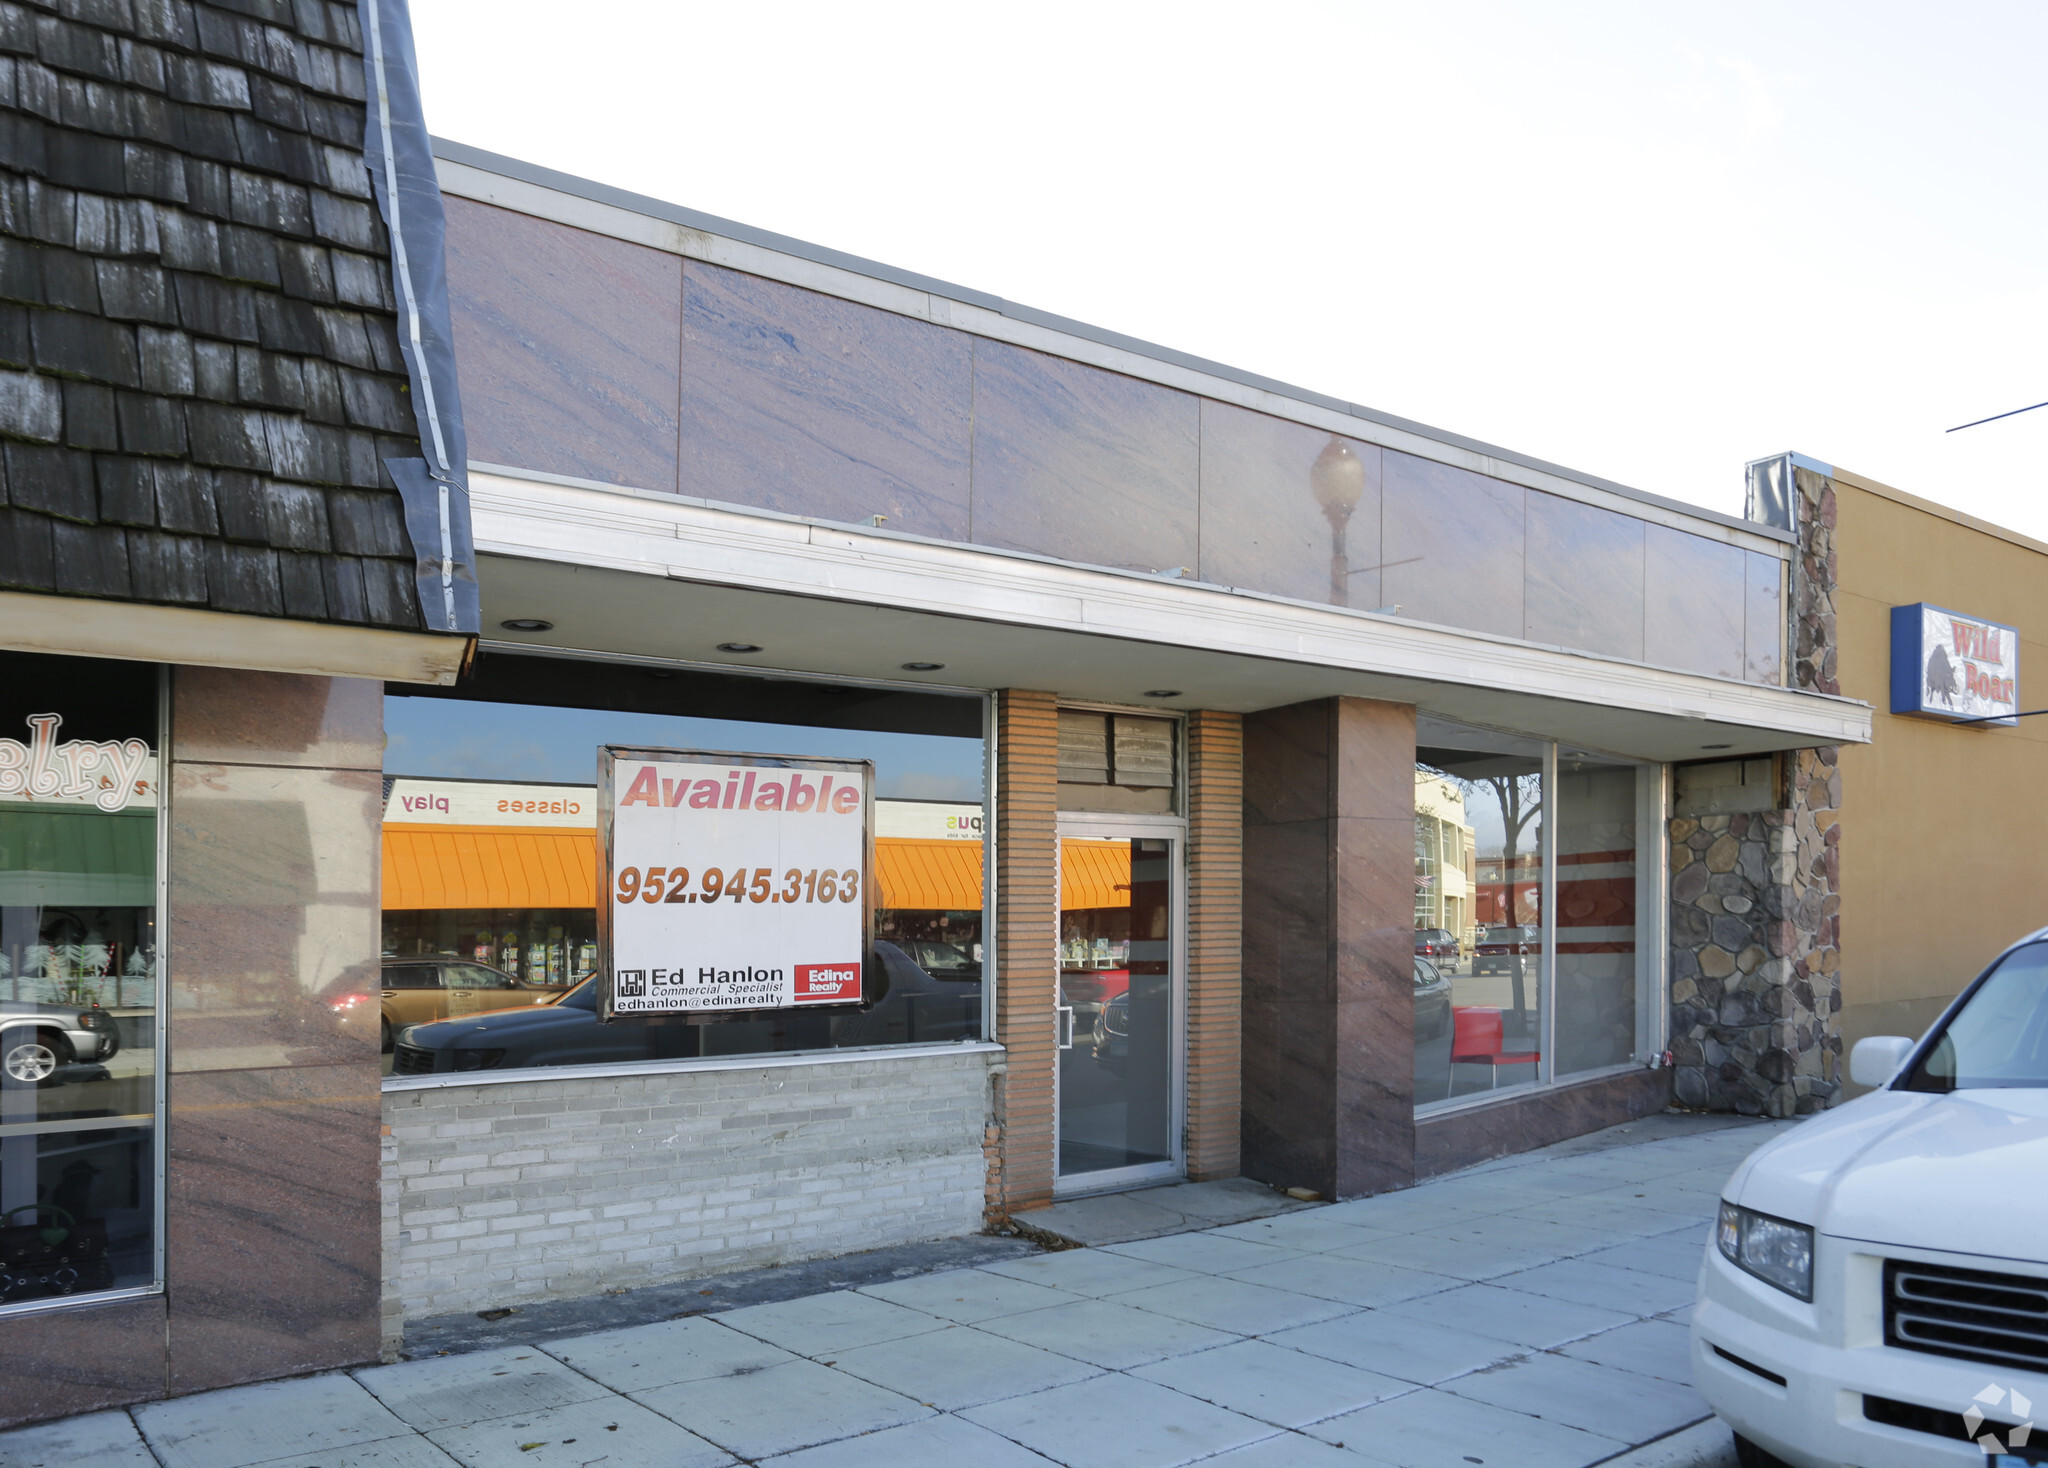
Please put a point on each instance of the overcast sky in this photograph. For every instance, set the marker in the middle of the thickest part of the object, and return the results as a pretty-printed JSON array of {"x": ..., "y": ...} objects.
[{"x": 1648, "y": 241}]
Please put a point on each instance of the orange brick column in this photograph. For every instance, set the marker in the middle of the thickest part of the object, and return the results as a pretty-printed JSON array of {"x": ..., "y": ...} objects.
[
  {"x": 1215, "y": 941},
  {"x": 1027, "y": 947}
]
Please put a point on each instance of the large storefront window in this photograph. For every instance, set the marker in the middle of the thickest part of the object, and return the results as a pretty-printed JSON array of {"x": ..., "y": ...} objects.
[
  {"x": 1478, "y": 922},
  {"x": 1596, "y": 914},
  {"x": 1526, "y": 961},
  {"x": 491, "y": 860},
  {"x": 78, "y": 978}
]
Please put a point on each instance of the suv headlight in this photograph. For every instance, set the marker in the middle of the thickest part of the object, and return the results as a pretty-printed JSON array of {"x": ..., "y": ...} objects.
[{"x": 1776, "y": 1252}]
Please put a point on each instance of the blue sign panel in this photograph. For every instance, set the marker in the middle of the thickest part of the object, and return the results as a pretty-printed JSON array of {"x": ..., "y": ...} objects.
[{"x": 1946, "y": 665}]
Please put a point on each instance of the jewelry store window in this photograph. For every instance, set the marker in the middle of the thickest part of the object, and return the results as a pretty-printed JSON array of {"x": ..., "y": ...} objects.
[
  {"x": 1536, "y": 897},
  {"x": 491, "y": 859},
  {"x": 80, "y": 910}
]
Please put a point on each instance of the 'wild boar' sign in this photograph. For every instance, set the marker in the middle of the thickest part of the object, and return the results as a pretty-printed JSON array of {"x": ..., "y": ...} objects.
[{"x": 1952, "y": 667}]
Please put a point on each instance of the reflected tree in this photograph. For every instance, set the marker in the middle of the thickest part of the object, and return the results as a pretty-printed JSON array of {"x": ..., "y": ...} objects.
[{"x": 1519, "y": 799}]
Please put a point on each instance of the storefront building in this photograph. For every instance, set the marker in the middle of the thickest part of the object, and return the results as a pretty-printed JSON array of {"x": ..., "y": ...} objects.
[
  {"x": 222, "y": 531},
  {"x": 1189, "y": 703},
  {"x": 1938, "y": 873},
  {"x": 1193, "y": 700}
]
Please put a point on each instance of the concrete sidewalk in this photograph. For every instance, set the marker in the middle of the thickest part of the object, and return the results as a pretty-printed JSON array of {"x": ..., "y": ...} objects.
[{"x": 1524, "y": 1314}]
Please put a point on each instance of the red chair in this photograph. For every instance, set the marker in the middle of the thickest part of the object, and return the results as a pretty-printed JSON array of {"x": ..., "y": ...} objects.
[{"x": 1476, "y": 1039}]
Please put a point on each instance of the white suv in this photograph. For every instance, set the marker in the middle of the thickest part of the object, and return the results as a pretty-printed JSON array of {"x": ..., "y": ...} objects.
[{"x": 1877, "y": 1289}]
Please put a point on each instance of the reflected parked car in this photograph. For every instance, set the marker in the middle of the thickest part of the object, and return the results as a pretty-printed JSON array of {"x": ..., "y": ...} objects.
[
  {"x": 1501, "y": 947},
  {"x": 36, "y": 1044},
  {"x": 1112, "y": 1035},
  {"x": 908, "y": 1004},
  {"x": 1432, "y": 1001},
  {"x": 904, "y": 1004},
  {"x": 421, "y": 990},
  {"x": 947, "y": 962},
  {"x": 1438, "y": 945}
]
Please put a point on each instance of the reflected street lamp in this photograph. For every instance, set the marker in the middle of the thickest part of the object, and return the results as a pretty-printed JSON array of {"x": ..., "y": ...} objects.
[{"x": 1337, "y": 479}]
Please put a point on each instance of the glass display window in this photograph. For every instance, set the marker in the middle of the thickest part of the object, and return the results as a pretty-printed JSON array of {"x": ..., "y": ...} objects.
[
  {"x": 1479, "y": 990},
  {"x": 491, "y": 859},
  {"x": 1597, "y": 878},
  {"x": 80, "y": 915},
  {"x": 1528, "y": 885}
]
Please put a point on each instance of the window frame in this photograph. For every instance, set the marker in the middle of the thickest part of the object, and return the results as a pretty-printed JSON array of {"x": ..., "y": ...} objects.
[
  {"x": 991, "y": 975},
  {"x": 160, "y": 1088},
  {"x": 1653, "y": 803}
]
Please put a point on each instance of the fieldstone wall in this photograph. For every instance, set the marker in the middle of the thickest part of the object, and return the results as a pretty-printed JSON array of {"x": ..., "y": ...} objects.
[
  {"x": 1755, "y": 961},
  {"x": 1813, "y": 586},
  {"x": 1756, "y": 983}
]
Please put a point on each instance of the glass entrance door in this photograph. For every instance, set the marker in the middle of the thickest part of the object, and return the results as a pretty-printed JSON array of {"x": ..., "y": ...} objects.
[{"x": 1118, "y": 1017}]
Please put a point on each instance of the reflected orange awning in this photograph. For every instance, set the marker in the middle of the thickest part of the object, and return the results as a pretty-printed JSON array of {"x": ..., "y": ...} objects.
[
  {"x": 1095, "y": 874},
  {"x": 454, "y": 867},
  {"x": 444, "y": 867},
  {"x": 929, "y": 876}
]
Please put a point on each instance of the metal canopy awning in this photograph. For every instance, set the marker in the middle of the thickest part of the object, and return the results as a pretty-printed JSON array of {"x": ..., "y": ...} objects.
[{"x": 657, "y": 577}]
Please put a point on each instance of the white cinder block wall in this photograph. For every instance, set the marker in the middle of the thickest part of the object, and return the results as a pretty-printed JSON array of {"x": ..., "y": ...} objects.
[{"x": 574, "y": 1184}]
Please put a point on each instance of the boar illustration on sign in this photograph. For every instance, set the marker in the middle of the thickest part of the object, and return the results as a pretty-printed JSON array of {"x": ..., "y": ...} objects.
[{"x": 1941, "y": 677}]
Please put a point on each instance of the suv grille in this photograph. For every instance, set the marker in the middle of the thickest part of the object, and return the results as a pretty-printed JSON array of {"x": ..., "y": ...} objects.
[
  {"x": 411, "y": 1060},
  {"x": 1970, "y": 1313},
  {"x": 1952, "y": 1425}
]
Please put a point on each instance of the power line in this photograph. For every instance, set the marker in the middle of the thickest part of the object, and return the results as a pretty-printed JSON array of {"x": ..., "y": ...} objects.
[
  {"x": 1996, "y": 416},
  {"x": 1999, "y": 718}
]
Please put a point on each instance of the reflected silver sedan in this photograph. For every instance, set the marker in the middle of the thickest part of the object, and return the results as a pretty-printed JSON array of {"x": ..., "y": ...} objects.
[{"x": 36, "y": 1043}]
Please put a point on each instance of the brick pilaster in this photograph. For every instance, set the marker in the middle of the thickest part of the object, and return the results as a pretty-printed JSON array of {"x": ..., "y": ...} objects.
[
  {"x": 1215, "y": 946},
  {"x": 1027, "y": 943}
]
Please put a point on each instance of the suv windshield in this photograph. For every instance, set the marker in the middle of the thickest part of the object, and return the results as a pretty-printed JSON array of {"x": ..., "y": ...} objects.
[{"x": 2000, "y": 1037}]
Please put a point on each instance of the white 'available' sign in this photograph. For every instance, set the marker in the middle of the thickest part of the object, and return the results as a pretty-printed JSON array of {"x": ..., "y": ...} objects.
[{"x": 733, "y": 882}]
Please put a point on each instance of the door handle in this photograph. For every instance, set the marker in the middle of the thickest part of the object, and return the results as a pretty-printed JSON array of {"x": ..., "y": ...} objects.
[{"x": 1063, "y": 1025}]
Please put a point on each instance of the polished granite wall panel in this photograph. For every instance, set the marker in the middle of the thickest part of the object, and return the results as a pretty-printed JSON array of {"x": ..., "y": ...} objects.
[
  {"x": 1695, "y": 591},
  {"x": 1288, "y": 771},
  {"x": 1086, "y": 465},
  {"x": 1328, "y": 1008},
  {"x": 811, "y": 405},
  {"x": 273, "y": 1250},
  {"x": 1763, "y": 625},
  {"x": 235, "y": 716},
  {"x": 72, "y": 1361},
  {"x": 1261, "y": 526},
  {"x": 275, "y": 913},
  {"x": 1453, "y": 545},
  {"x": 1374, "y": 764},
  {"x": 1374, "y": 920},
  {"x": 1536, "y": 1119},
  {"x": 567, "y": 342},
  {"x": 1374, "y": 1019},
  {"x": 1585, "y": 577}
]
